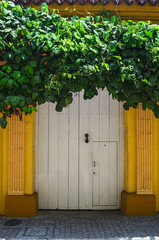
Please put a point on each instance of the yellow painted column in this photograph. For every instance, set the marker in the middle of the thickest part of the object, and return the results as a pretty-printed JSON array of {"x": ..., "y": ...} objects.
[
  {"x": 133, "y": 204},
  {"x": 21, "y": 202}
]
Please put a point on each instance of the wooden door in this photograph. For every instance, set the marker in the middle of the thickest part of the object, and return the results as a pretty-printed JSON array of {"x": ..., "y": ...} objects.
[{"x": 70, "y": 172}]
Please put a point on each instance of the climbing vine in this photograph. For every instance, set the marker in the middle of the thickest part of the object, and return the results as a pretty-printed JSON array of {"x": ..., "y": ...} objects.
[{"x": 46, "y": 57}]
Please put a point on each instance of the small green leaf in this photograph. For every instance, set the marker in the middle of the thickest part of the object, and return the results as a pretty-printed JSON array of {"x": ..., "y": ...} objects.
[
  {"x": 21, "y": 79},
  {"x": 16, "y": 74},
  {"x": 8, "y": 69},
  {"x": 144, "y": 106},
  {"x": 97, "y": 18},
  {"x": 34, "y": 95},
  {"x": 105, "y": 35},
  {"x": 15, "y": 100},
  {"x": 126, "y": 106},
  {"x": 9, "y": 82},
  {"x": 31, "y": 70},
  {"x": 3, "y": 123},
  {"x": 2, "y": 105},
  {"x": 69, "y": 75},
  {"x": 33, "y": 64},
  {"x": 44, "y": 8},
  {"x": 113, "y": 45}
]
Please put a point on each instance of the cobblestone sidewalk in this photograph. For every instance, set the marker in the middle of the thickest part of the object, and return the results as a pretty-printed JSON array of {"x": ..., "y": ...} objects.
[{"x": 81, "y": 225}]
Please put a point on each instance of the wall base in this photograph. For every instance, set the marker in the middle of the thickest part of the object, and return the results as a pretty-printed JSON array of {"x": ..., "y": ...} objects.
[
  {"x": 21, "y": 206},
  {"x": 133, "y": 204}
]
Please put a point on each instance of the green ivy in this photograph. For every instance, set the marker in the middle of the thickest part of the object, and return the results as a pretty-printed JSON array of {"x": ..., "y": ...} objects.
[{"x": 45, "y": 57}]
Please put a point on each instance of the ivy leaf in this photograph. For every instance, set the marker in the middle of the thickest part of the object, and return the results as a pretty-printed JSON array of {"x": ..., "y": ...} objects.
[
  {"x": 1, "y": 97},
  {"x": 3, "y": 81},
  {"x": 144, "y": 106},
  {"x": 126, "y": 106},
  {"x": 113, "y": 45},
  {"x": 34, "y": 95},
  {"x": 8, "y": 69},
  {"x": 31, "y": 70},
  {"x": 3, "y": 123},
  {"x": 33, "y": 64},
  {"x": 2, "y": 105},
  {"x": 126, "y": 37},
  {"x": 16, "y": 74},
  {"x": 14, "y": 100},
  {"x": 21, "y": 79},
  {"x": 105, "y": 35},
  {"x": 24, "y": 56},
  {"x": 97, "y": 18},
  {"x": 44, "y": 8},
  {"x": 10, "y": 83}
]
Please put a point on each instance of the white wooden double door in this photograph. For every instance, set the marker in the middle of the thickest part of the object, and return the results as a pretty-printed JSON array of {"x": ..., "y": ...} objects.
[{"x": 79, "y": 154}]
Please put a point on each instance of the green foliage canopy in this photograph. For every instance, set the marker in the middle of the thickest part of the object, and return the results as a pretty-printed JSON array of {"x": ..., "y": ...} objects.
[{"x": 46, "y": 57}]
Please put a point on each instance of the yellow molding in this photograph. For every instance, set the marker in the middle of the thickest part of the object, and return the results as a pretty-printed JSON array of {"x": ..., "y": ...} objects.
[{"x": 29, "y": 153}]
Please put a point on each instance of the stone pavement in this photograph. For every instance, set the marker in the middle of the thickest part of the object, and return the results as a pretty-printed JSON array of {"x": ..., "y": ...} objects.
[{"x": 80, "y": 225}]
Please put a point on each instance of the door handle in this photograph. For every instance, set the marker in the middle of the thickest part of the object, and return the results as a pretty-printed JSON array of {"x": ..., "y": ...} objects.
[{"x": 86, "y": 138}]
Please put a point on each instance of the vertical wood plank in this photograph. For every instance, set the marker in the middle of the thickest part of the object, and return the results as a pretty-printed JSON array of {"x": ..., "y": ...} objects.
[
  {"x": 96, "y": 174},
  {"x": 104, "y": 173},
  {"x": 114, "y": 120},
  {"x": 73, "y": 153},
  {"x": 104, "y": 116},
  {"x": 94, "y": 118},
  {"x": 43, "y": 156},
  {"x": 85, "y": 161},
  {"x": 113, "y": 173},
  {"x": 53, "y": 157},
  {"x": 63, "y": 159}
]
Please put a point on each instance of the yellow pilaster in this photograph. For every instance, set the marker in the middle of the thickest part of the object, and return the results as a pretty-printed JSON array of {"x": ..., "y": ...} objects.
[
  {"x": 144, "y": 150},
  {"x": 16, "y": 156},
  {"x": 25, "y": 203},
  {"x": 133, "y": 204}
]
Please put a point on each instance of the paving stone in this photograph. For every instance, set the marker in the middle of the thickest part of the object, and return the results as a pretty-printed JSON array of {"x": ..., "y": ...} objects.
[{"x": 101, "y": 225}]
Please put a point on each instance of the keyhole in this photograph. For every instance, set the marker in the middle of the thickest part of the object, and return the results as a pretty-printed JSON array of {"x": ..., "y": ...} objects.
[{"x": 86, "y": 138}]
